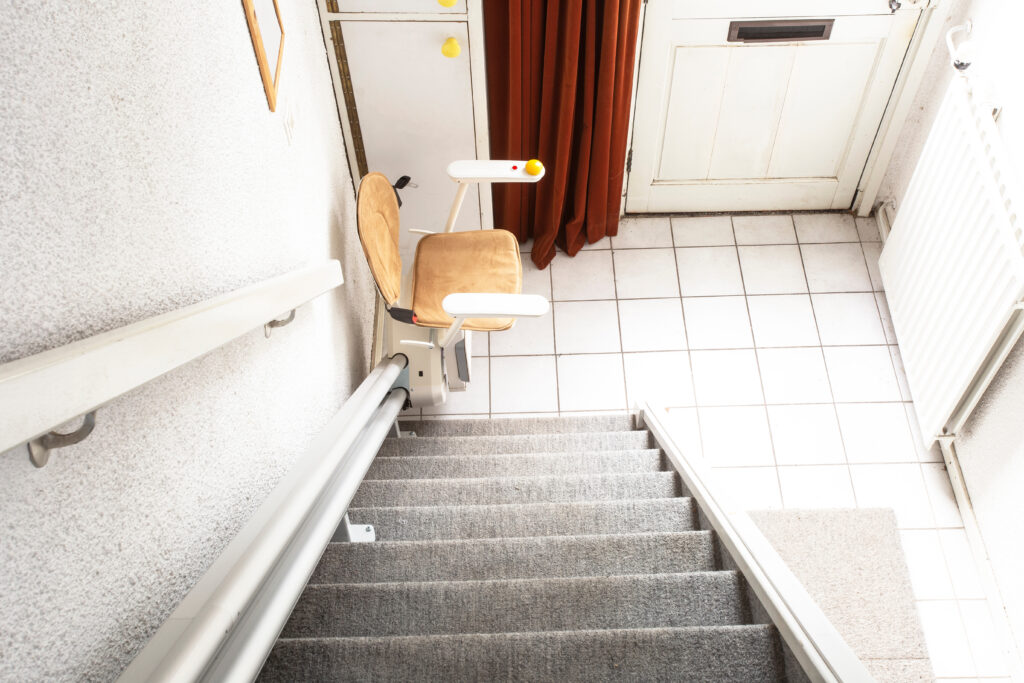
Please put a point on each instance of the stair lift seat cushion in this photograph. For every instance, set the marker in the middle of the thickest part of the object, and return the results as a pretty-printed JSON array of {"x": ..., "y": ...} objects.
[
  {"x": 478, "y": 261},
  {"x": 377, "y": 219}
]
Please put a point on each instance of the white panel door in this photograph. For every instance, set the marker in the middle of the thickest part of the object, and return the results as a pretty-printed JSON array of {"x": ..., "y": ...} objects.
[
  {"x": 784, "y": 124},
  {"x": 416, "y": 114}
]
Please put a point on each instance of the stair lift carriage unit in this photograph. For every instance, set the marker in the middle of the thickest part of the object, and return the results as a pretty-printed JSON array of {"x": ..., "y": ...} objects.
[{"x": 458, "y": 283}]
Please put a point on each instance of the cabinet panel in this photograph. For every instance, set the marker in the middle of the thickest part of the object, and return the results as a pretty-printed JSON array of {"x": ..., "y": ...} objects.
[
  {"x": 826, "y": 88},
  {"x": 416, "y": 114},
  {"x": 755, "y": 89},
  {"x": 690, "y": 122},
  {"x": 401, "y": 6}
]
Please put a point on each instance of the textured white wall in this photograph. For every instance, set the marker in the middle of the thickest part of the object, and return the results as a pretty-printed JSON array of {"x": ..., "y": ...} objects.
[
  {"x": 142, "y": 171},
  {"x": 991, "y": 447}
]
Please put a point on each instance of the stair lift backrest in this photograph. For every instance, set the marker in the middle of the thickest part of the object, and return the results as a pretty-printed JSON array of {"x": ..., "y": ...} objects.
[{"x": 377, "y": 220}]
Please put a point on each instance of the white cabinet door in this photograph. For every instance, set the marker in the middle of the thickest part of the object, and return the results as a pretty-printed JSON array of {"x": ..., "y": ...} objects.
[
  {"x": 406, "y": 6},
  {"x": 416, "y": 114},
  {"x": 785, "y": 124}
]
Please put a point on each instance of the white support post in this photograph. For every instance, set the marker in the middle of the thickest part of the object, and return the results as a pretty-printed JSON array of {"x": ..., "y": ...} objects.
[
  {"x": 926, "y": 36},
  {"x": 495, "y": 171},
  {"x": 452, "y": 332},
  {"x": 456, "y": 205}
]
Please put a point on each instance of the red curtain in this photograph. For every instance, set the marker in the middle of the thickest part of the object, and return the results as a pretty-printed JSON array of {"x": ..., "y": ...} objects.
[{"x": 559, "y": 83}]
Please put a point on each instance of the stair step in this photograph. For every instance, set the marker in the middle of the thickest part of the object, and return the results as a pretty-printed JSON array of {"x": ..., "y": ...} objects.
[
  {"x": 507, "y": 606},
  {"x": 521, "y": 425},
  {"x": 516, "y": 558},
  {"x": 516, "y": 443},
  {"x": 712, "y": 654},
  {"x": 508, "y": 490},
  {"x": 538, "y": 519},
  {"x": 459, "y": 466}
]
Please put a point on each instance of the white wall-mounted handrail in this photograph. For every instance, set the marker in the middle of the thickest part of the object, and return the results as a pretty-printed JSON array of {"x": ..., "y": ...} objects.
[
  {"x": 40, "y": 392},
  {"x": 227, "y": 624},
  {"x": 813, "y": 640}
]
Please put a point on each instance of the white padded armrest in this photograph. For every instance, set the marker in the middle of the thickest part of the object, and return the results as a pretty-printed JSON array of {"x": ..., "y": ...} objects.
[
  {"x": 495, "y": 305},
  {"x": 495, "y": 171}
]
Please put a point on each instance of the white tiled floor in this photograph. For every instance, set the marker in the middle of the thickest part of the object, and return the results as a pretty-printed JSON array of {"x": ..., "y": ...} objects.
[{"x": 769, "y": 340}]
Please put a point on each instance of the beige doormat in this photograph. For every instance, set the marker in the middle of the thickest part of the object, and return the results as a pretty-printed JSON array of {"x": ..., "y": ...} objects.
[{"x": 851, "y": 562}]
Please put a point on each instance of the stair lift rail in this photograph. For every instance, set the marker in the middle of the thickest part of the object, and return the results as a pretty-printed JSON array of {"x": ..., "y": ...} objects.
[
  {"x": 225, "y": 627},
  {"x": 41, "y": 392},
  {"x": 819, "y": 648}
]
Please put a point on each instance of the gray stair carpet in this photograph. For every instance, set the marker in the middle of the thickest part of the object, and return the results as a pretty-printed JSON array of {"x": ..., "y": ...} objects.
[
  {"x": 520, "y": 426},
  {"x": 726, "y": 654},
  {"x": 517, "y": 558},
  {"x": 472, "y": 466},
  {"x": 511, "y": 490},
  {"x": 530, "y": 549},
  {"x": 538, "y": 519},
  {"x": 516, "y": 443}
]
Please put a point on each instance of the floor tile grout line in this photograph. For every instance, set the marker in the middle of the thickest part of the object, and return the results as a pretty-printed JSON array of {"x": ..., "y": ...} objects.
[
  {"x": 554, "y": 341},
  {"x": 724, "y": 405},
  {"x": 931, "y": 500},
  {"x": 881, "y": 318},
  {"x": 757, "y": 363},
  {"x": 686, "y": 340},
  {"x": 720, "y": 348},
  {"x": 866, "y": 463},
  {"x": 963, "y": 622},
  {"x": 618, "y": 321},
  {"x": 828, "y": 374},
  {"x": 622, "y": 355},
  {"x": 717, "y": 296},
  {"x": 892, "y": 361},
  {"x": 730, "y": 244}
]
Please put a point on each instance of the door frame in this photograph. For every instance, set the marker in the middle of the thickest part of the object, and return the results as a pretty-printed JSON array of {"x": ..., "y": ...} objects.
[{"x": 926, "y": 35}]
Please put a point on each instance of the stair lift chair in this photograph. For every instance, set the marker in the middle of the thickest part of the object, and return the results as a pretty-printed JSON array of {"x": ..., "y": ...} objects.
[{"x": 458, "y": 283}]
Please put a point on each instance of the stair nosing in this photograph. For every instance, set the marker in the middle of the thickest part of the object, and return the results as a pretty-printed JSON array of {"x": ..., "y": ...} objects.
[
  {"x": 397, "y": 585},
  {"x": 510, "y": 505},
  {"x": 512, "y": 436},
  {"x": 456, "y": 440},
  {"x": 631, "y": 451},
  {"x": 639, "y": 534},
  {"x": 533, "y": 476},
  {"x": 462, "y": 582},
  {"x": 499, "y": 634}
]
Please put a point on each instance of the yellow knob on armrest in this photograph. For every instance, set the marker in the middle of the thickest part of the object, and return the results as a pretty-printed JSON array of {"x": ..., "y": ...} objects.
[
  {"x": 534, "y": 167},
  {"x": 451, "y": 48}
]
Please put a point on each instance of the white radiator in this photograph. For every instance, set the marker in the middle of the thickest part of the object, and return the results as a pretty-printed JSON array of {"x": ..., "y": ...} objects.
[{"x": 953, "y": 266}]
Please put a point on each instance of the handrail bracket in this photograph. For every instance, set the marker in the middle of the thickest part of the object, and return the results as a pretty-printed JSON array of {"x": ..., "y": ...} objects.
[
  {"x": 39, "y": 448},
  {"x": 280, "y": 322},
  {"x": 354, "y": 533}
]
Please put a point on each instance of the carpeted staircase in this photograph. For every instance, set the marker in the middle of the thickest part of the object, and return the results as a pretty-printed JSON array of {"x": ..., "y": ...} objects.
[{"x": 546, "y": 549}]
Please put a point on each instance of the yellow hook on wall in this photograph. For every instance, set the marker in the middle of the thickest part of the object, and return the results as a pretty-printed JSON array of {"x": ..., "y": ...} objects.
[{"x": 451, "y": 48}]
